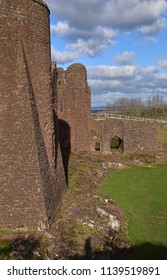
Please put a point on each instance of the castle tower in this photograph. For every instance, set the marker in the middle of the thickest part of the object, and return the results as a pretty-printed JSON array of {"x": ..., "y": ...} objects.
[
  {"x": 73, "y": 106},
  {"x": 32, "y": 179}
]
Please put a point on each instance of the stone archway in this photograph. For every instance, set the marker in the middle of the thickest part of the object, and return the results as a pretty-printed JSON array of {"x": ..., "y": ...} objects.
[
  {"x": 116, "y": 143},
  {"x": 95, "y": 143}
]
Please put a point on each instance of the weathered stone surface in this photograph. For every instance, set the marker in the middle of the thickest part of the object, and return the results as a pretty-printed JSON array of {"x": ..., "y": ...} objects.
[
  {"x": 136, "y": 136},
  {"x": 32, "y": 175},
  {"x": 73, "y": 106},
  {"x": 113, "y": 222}
]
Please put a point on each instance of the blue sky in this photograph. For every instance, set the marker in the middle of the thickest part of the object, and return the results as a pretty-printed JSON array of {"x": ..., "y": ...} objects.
[{"x": 122, "y": 43}]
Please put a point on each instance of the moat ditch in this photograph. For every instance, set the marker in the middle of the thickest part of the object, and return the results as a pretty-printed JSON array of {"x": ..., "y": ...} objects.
[{"x": 87, "y": 225}]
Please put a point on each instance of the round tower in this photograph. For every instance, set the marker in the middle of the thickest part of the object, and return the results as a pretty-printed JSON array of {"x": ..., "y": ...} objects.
[{"x": 30, "y": 193}]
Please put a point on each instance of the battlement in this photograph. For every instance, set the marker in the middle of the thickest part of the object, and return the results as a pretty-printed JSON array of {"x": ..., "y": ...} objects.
[{"x": 41, "y": 2}]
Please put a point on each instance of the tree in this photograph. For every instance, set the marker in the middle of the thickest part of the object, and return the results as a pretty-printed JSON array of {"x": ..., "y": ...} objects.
[
  {"x": 155, "y": 105},
  {"x": 126, "y": 106}
]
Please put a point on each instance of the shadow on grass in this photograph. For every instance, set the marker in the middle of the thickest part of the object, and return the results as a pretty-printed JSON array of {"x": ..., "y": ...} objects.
[
  {"x": 110, "y": 251},
  {"x": 22, "y": 248},
  {"x": 5, "y": 249},
  {"x": 148, "y": 251}
]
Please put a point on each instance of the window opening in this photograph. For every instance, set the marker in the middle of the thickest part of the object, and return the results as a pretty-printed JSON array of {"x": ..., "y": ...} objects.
[
  {"x": 61, "y": 107},
  {"x": 97, "y": 146}
]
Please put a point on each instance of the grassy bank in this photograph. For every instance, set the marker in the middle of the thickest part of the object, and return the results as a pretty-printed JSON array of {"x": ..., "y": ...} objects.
[
  {"x": 79, "y": 232},
  {"x": 142, "y": 194}
]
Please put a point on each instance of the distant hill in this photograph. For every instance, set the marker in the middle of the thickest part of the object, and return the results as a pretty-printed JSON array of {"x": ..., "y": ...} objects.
[{"x": 97, "y": 109}]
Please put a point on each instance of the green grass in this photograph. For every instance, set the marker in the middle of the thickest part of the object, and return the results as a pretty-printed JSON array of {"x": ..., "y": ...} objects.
[
  {"x": 5, "y": 246},
  {"x": 5, "y": 249},
  {"x": 142, "y": 194}
]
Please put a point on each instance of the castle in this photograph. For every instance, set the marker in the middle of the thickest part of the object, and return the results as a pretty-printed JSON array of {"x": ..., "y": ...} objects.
[
  {"x": 100, "y": 132},
  {"x": 44, "y": 116}
]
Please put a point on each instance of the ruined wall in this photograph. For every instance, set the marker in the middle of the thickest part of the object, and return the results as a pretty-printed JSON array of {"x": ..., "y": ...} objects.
[
  {"x": 136, "y": 136},
  {"x": 32, "y": 175},
  {"x": 161, "y": 136},
  {"x": 104, "y": 131},
  {"x": 139, "y": 136},
  {"x": 73, "y": 106},
  {"x": 79, "y": 131}
]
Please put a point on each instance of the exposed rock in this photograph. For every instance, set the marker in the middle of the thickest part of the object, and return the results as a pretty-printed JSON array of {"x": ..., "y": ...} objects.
[
  {"x": 89, "y": 223},
  {"x": 104, "y": 165},
  {"x": 113, "y": 222},
  {"x": 118, "y": 165},
  {"x": 106, "y": 200},
  {"x": 138, "y": 162}
]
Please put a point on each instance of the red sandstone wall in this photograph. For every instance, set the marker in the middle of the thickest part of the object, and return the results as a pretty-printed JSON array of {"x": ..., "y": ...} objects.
[
  {"x": 104, "y": 131},
  {"x": 31, "y": 185},
  {"x": 73, "y": 105},
  {"x": 137, "y": 136}
]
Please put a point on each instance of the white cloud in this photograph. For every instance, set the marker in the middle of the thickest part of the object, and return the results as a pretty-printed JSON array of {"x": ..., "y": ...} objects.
[
  {"x": 111, "y": 72},
  {"x": 163, "y": 63},
  {"x": 107, "y": 85},
  {"x": 120, "y": 14},
  {"x": 150, "y": 38},
  {"x": 60, "y": 29},
  {"x": 92, "y": 25},
  {"x": 90, "y": 47},
  {"x": 88, "y": 27},
  {"x": 147, "y": 71},
  {"x": 63, "y": 29},
  {"x": 89, "y": 42},
  {"x": 162, "y": 77},
  {"x": 126, "y": 58},
  {"x": 154, "y": 28},
  {"x": 130, "y": 81},
  {"x": 62, "y": 57}
]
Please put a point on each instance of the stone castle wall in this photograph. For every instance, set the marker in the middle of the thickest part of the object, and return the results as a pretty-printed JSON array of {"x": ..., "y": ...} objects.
[
  {"x": 135, "y": 136},
  {"x": 79, "y": 131},
  {"x": 73, "y": 106},
  {"x": 32, "y": 174}
]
